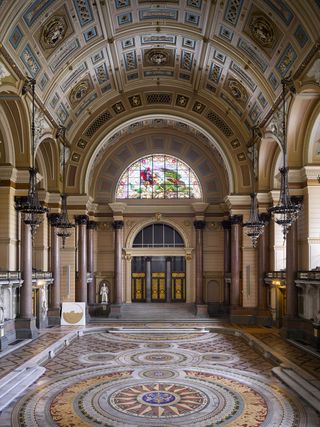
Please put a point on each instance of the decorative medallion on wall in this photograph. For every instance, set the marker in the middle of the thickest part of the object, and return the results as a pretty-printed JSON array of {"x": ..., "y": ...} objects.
[
  {"x": 54, "y": 31},
  {"x": 158, "y": 57},
  {"x": 80, "y": 91}
]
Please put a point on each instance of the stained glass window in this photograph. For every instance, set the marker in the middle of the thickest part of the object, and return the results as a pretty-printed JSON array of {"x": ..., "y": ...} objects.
[{"x": 158, "y": 176}]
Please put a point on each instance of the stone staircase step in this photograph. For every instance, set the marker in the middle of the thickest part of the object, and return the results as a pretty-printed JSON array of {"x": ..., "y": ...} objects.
[
  {"x": 15, "y": 383},
  {"x": 303, "y": 387}
]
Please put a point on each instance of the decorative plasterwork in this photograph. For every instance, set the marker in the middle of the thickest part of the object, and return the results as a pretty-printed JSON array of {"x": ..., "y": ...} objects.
[{"x": 182, "y": 125}]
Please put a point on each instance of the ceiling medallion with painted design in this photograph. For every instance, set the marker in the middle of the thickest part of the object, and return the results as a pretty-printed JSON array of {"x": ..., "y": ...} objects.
[
  {"x": 53, "y": 32},
  {"x": 262, "y": 31},
  {"x": 158, "y": 57},
  {"x": 79, "y": 91},
  {"x": 237, "y": 90}
]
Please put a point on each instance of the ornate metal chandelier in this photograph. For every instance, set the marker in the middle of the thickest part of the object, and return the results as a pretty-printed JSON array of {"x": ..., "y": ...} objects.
[
  {"x": 255, "y": 226},
  {"x": 285, "y": 212},
  {"x": 32, "y": 209},
  {"x": 63, "y": 225}
]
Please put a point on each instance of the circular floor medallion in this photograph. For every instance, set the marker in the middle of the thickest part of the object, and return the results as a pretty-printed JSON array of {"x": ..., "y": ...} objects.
[
  {"x": 159, "y": 374},
  {"x": 159, "y": 400},
  {"x": 158, "y": 358}
]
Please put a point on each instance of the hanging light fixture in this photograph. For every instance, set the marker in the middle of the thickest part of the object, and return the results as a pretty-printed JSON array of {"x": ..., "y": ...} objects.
[
  {"x": 31, "y": 207},
  {"x": 255, "y": 226},
  {"x": 63, "y": 225},
  {"x": 285, "y": 212}
]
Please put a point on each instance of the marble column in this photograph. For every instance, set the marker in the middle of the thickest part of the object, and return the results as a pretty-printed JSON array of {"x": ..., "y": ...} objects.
[
  {"x": 91, "y": 227},
  {"x": 81, "y": 283},
  {"x": 292, "y": 267},
  {"x": 118, "y": 282},
  {"x": 148, "y": 279},
  {"x": 227, "y": 260},
  {"x": 55, "y": 299},
  {"x": 168, "y": 278},
  {"x": 26, "y": 288},
  {"x": 26, "y": 323},
  {"x": 201, "y": 308},
  {"x": 263, "y": 262},
  {"x": 235, "y": 291}
]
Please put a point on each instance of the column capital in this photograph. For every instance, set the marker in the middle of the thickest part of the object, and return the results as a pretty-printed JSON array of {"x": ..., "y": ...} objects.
[
  {"x": 92, "y": 225},
  {"x": 117, "y": 225},
  {"x": 81, "y": 219},
  {"x": 53, "y": 218},
  {"x": 199, "y": 225},
  {"x": 226, "y": 224},
  {"x": 236, "y": 219}
]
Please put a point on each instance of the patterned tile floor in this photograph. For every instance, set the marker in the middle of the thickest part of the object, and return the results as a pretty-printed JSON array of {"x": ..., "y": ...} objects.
[{"x": 129, "y": 378}]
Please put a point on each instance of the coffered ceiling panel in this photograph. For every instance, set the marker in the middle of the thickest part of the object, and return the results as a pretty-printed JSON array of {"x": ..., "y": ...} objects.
[{"x": 85, "y": 54}]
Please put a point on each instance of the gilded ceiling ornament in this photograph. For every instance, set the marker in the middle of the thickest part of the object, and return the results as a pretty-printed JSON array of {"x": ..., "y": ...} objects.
[
  {"x": 262, "y": 31},
  {"x": 79, "y": 91},
  {"x": 237, "y": 90},
  {"x": 53, "y": 32},
  {"x": 158, "y": 57}
]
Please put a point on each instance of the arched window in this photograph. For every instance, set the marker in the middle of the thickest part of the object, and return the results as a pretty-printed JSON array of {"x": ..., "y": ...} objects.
[
  {"x": 158, "y": 176},
  {"x": 158, "y": 236}
]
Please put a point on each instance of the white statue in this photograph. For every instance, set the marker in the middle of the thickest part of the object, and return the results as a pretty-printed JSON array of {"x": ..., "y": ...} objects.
[{"x": 104, "y": 292}]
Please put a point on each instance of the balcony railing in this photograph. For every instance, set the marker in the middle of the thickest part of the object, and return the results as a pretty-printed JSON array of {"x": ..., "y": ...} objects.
[
  {"x": 280, "y": 275},
  {"x": 308, "y": 275}
]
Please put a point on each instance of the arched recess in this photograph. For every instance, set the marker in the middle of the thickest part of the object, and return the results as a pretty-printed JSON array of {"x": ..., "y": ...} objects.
[
  {"x": 312, "y": 145},
  {"x": 6, "y": 140},
  {"x": 138, "y": 227},
  {"x": 234, "y": 172},
  {"x": 206, "y": 166},
  {"x": 50, "y": 166},
  {"x": 300, "y": 113},
  {"x": 15, "y": 117},
  {"x": 269, "y": 150},
  {"x": 185, "y": 253}
]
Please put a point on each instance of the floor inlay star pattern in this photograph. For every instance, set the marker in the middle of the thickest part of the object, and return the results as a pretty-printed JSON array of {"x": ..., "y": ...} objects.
[{"x": 179, "y": 385}]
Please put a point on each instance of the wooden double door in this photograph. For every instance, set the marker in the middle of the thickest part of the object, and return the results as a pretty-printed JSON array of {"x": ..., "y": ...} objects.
[{"x": 158, "y": 279}]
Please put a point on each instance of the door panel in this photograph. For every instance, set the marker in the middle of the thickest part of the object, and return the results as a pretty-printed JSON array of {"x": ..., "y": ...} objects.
[
  {"x": 158, "y": 287},
  {"x": 178, "y": 287},
  {"x": 138, "y": 287}
]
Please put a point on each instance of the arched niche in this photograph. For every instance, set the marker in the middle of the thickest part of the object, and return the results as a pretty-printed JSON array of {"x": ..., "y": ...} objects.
[
  {"x": 48, "y": 151},
  {"x": 205, "y": 165},
  {"x": 83, "y": 163}
]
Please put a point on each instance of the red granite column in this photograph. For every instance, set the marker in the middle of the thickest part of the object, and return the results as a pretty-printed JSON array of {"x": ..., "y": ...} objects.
[
  {"x": 227, "y": 260},
  {"x": 92, "y": 225},
  {"x": 263, "y": 263},
  {"x": 26, "y": 267},
  {"x": 199, "y": 226},
  {"x": 26, "y": 323},
  {"x": 55, "y": 263},
  {"x": 292, "y": 267},
  {"x": 81, "y": 283},
  {"x": 235, "y": 291},
  {"x": 118, "y": 282}
]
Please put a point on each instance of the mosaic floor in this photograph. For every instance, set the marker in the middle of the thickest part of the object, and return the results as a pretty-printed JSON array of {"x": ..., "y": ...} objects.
[{"x": 128, "y": 378}]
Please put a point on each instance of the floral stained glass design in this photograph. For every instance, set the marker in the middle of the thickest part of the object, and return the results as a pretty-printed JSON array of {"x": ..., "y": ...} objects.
[{"x": 158, "y": 176}]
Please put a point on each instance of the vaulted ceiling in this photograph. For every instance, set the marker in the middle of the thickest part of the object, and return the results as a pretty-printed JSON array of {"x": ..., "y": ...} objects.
[{"x": 95, "y": 61}]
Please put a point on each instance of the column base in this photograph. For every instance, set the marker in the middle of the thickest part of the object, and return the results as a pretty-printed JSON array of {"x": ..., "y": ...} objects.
[
  {"x": 201, "y": 310},
  {"x": 26, "y": 328},
  {"x": 243, "y": 315},
  {"x": 115, "y": 311},
  {"x": 54, "y": 316}
]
